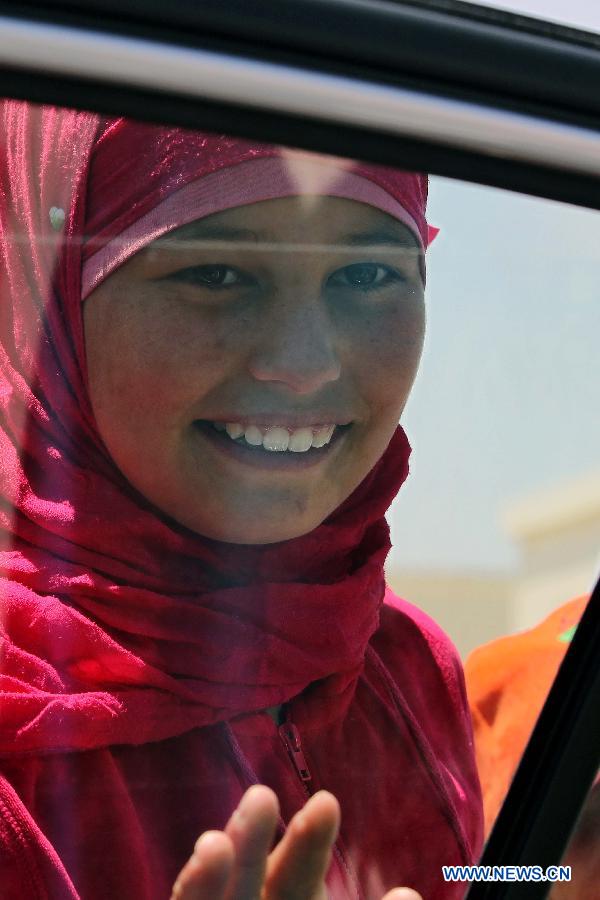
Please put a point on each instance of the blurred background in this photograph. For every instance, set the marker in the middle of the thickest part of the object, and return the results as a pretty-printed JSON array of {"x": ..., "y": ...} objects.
[{"x": 499, "y": 522}]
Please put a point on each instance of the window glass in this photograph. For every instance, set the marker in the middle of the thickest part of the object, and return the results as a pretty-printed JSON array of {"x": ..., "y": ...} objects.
[
  {"x": 207, "y": 347},
  {"x": 497, "y": 532},
  {"x": 504, "y": 494}
]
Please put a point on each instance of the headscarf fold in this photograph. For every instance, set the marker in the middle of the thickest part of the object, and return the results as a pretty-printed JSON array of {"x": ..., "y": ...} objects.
[{"x": 117, "y": 624}]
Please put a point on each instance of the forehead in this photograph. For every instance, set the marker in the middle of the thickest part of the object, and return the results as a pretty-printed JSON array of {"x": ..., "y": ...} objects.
[{"x": 309, "y": 219}]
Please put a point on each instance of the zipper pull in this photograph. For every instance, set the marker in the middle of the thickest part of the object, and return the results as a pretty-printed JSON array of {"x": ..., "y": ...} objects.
[{"x": 291, "y": 738}]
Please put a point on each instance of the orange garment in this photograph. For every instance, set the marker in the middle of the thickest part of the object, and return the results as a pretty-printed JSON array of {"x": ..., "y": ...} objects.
[{"x": 507, "y": 683}]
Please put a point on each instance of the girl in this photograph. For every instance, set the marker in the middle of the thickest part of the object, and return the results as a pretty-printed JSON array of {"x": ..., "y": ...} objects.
[{"x": 206, "y": 347}]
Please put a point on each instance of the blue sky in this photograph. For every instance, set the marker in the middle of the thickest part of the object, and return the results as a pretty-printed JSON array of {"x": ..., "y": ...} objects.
[{"x": 508, "y": 394}]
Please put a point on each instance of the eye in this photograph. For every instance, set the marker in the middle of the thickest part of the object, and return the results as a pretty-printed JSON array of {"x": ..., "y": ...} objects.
[
  {"x": 213, "y": 276},
  {"x": 364, "y": 276}
]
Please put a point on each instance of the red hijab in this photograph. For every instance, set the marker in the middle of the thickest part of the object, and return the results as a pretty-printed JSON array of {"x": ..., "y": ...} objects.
[{"x": 117, "y": 624}]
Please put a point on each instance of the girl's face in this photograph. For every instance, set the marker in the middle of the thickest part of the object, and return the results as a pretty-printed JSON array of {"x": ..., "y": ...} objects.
[{"x": 295, "y": 321}]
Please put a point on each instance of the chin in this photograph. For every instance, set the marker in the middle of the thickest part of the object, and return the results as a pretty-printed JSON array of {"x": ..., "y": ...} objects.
[
  {"x": 252, "y": 516},
  {"x": 253, "y": 529},
  {"x": 257, "y": 536}
]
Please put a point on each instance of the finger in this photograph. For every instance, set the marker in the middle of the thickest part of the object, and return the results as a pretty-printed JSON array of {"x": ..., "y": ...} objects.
[
  {"x": 252, "y": 831},
  {"x": 207, "y": 872},
  {"x": 297, "y": 866},
  {"x": 402, "y": 893}
]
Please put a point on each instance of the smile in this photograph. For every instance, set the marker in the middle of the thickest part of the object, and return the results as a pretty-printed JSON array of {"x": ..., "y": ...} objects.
[
  {"x": 273, "y": 447},
  {"x": 278, "y": 438}
]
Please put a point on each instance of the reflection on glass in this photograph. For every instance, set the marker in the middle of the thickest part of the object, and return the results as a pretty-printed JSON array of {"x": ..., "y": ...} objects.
[{"x": 207, "y": 345}]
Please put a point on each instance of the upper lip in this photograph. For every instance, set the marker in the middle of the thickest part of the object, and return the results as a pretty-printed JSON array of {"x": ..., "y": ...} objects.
[{"x": 285, "y": 420}]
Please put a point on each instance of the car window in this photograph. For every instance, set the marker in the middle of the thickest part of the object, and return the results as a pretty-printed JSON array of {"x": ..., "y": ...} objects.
[
  {"x": 208, "y": 343},
  {"x": 512, "y": 280},
  {"x": 512, "y": 611}
]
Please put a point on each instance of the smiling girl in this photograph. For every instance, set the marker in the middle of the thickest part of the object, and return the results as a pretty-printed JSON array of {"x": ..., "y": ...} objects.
[{"x": 203, "y": 369}]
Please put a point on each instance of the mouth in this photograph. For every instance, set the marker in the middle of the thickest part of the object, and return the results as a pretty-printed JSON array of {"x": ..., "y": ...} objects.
[{"x": 278, "y": 447}]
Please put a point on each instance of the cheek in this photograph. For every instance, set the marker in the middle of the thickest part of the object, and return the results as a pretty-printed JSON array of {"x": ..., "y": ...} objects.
[
  {"x": 150, "y": 362},
  {"x": 383, "y": 359},
  {"x": 387, "y": 354}
]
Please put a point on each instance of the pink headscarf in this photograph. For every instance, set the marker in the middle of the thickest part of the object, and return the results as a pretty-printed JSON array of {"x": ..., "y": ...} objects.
[
  {"x": 118, "y": 625},
  {"x": 188, "y": 176}
]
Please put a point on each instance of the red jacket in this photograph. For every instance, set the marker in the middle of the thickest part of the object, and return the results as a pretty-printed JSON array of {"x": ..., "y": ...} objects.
[{"x": 399, "y": 758}]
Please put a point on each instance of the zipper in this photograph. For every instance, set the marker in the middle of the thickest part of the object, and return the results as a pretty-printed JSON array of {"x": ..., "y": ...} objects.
[{"x": 290, "y": 736}]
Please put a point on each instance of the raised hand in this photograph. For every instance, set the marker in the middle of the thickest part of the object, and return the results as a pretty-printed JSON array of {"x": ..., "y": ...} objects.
[{"x": 238, "y": 863}]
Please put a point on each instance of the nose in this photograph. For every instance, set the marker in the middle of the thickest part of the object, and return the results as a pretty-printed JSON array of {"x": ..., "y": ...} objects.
[{"x": 296, "y": 347}]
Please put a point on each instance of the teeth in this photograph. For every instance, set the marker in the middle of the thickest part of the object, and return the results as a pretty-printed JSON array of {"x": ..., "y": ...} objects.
[
  {"x": 301, "y": 440},
  {"x": 253, "y": 435},
  {"x": 323, "y": 435},
  {"x": 234, "y": 430},
  {"x": 277, "y": 439}
]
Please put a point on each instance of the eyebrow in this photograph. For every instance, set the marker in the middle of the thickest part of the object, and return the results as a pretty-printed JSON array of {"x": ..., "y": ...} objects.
[
  {"x": 223, "y": 234},
  {"x": 197, "y": 230},
  {"x": 381, "y": 237}
]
